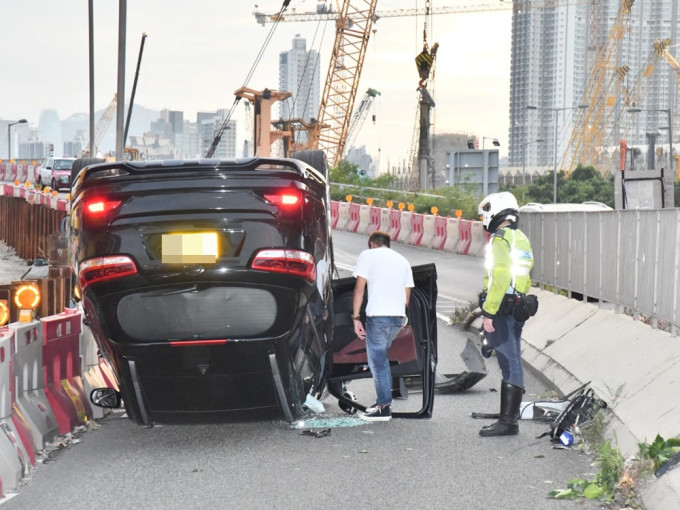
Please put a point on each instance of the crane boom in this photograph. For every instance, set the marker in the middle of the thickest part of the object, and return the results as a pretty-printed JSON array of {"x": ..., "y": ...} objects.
[
  {"x": 263, "y": 18},
  {"x": 360, "y": 115},
  {"x": 103, "y": 123},
  {"x": 352, "y": 31}
]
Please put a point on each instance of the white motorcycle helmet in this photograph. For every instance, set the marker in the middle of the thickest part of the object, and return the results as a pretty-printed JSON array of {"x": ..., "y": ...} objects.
[{"x": 496, "y": 208}]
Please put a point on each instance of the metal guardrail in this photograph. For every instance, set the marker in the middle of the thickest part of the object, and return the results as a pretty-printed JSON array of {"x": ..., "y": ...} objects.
[{"x": 630, "y": 258}]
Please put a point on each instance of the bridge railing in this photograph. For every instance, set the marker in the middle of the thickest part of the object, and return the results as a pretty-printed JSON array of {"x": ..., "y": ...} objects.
[{"x": 629, "y": 258}]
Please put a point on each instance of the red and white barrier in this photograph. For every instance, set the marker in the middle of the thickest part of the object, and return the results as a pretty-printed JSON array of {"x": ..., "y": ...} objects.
[
  {"x": 22, "y": 173},
  {"x": 343, "y": 216},
  {"x": 478, "y": 240},
  {"x": 374, "y": 220},
  {"x": 464, "y": 237},
  {"x": 14, "y": 460},
  {"x": 61, "y": 362},
  {"x": 452, "y": 234},
  {"x": 394, "y": 229},
  {"x": 428, "y": 231},
  {"x": 30, "y": 383},
  {"x": 405, "y": 226},
  {"x": 3, "y": 167},
  {"x": 354, "y": 219},
  {"x": 334, "y": 214},
  {"x": 416, "y": 229},
  {"x": 364, "y": 219},
  {"x": 385, "y": 220},
  {"x": 439, "y": 233}
]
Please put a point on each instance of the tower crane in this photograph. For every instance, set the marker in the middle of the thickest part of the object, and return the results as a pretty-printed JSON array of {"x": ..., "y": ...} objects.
[
  {"x": 103, "y": 123},
  {"x": 360, "y": 116},
  {"x": 602, "y": 93},
  {"x": 354, "y": 21},
  {"x": 326, "y": 15}
]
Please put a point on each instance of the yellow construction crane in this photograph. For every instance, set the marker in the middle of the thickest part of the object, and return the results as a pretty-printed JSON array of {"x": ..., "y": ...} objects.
[
  {"x": 602, "y": 93},
  {"x": 103, "y": 125},
  {"x": 352, "y": 30},
  {"x": 329, "y": 14}
]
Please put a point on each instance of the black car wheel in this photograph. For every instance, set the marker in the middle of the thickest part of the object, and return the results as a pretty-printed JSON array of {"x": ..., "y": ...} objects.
[
  {"x": 54, "y": 184},
  {"x": 314, "y": 158}
]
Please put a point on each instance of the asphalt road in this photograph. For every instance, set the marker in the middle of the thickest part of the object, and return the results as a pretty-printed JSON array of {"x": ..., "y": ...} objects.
[{"x": 439, "y": 463}]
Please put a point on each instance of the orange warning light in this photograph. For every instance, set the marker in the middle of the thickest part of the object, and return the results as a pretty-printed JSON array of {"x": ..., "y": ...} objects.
[{"x": 27, "y": 297}]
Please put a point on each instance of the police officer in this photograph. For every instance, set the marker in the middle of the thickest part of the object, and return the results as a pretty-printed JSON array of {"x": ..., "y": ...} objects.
[{"x": 508, "y": 262}]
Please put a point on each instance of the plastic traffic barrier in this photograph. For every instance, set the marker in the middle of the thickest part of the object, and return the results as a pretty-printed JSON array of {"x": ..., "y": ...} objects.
[
  {"x": 439, "y": 233},
  {"x": 334, "y": 213},
  {"x": 464, "y": 237},
  {"x": 353, "y": 223},
  {"x": 405, "y": 226},
  {"x": 364, "y": 219},
  {"x": 14, "y": 461},
  {"x": 374, "y": 219},
  {"x": 343, "y": 216},
  {"x": 62, "y": 370},
  {"x": 416, "y": 229},
  {"x": 22, "y": 173},
  {"x": 385, "y": 220},
  {"x": 452, "y": 234},
  {"x": 428, "y": 231},
  {"x": 477, "y": 240},
  {"x": 3, "y": 166},
  {"x": 394, "y": 228},
  {"x": 31, "y": 400}
]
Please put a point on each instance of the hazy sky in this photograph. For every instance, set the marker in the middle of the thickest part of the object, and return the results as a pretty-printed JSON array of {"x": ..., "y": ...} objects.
[{"x": 199, "y": 52}]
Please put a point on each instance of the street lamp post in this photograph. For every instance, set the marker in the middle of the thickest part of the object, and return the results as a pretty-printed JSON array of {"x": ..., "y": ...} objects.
[
  {"x": 524, "y": 158},
  {"x": 9, "y": 137},
  {"x": 556, "y": 111}
]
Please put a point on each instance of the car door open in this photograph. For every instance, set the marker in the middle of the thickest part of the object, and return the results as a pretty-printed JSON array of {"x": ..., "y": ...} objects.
[{"x": 413, "y": 355}]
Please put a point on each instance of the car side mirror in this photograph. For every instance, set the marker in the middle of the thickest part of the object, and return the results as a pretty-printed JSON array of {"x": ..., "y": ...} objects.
[{"x": 105, "y": 397}]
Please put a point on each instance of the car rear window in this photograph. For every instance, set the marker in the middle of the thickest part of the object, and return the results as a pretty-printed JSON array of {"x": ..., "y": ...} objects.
[{"x": 63, "y": 164}]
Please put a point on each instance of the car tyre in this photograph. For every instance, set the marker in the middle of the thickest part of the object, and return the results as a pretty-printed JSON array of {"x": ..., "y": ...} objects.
[
  {"x": 54, "y": 185},
  {"x": 314, "y": 158}
]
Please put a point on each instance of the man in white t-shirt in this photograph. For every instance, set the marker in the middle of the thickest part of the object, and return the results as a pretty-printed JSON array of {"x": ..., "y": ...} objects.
[{"x": 389, "y": 279}]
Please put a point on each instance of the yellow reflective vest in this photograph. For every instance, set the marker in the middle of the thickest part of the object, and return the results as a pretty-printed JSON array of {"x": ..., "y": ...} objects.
[{"x": 507, "y": 266}]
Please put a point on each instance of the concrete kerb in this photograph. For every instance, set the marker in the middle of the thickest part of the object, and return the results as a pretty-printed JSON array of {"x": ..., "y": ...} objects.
[{"x": 631, "y": 366}]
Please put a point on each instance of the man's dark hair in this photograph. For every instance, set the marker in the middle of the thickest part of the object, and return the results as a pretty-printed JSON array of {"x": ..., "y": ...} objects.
[{"x": 379, "y": 238}]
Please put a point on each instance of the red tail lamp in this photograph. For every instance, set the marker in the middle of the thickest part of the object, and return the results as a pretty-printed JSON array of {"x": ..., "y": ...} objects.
[
  {"x": 286, "y": 199},
  {"x": 294, "y": 262},
  {"x": 100, "y": 269}
]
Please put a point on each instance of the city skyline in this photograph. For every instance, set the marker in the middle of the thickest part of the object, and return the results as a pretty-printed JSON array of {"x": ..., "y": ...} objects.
[{"x": 216, "y": 47}]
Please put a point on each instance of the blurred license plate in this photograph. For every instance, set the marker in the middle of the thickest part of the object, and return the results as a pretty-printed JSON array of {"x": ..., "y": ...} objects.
[{"x": 189, "y": 248}]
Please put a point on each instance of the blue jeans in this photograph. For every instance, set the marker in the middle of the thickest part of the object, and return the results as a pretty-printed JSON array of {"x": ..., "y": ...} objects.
[
  {"x": 507, "y": 341},
  {"x": 380, "y": 331}
]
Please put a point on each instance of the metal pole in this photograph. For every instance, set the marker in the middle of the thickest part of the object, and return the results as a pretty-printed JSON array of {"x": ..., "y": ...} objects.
[
  {"x": 670, "y": 202},
  {"x": 9, "y": 143},
  {"x": 134, "y": 89},
  {"x": 90, "y": 13},
  {"x": 555, "y": 161},
  {"x": 120, "y": 107}
]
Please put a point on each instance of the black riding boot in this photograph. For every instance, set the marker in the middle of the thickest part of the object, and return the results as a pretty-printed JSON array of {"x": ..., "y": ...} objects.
[{"x": 511, "y": 398}]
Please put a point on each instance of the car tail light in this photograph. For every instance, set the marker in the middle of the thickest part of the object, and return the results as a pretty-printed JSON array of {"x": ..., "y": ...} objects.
[
  {"x": 100, "y": 269},
  {"x": 295, "y": 262},
  {"x": 98, "y": 210},
  {"x": 285, "y": 199}
]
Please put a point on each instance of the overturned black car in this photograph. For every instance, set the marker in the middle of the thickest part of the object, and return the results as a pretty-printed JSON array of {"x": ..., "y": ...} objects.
[{"x": 208, "y": 288}]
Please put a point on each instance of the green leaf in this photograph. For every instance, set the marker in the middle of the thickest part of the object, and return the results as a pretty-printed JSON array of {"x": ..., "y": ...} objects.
[
  {"x": 564, "y": 494},
  {"x": 594, "y": 491}
]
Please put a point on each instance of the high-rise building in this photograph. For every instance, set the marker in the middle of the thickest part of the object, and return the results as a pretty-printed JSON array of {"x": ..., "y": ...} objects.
[
  {"x": 557, "y": 49},
  {"x": 209, "y": 124},
  {"x": 299, "y": 74}
]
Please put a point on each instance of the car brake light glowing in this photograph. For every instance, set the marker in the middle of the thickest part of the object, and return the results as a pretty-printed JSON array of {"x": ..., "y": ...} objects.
[
  {"x": 100, "y": 269},
  {"x": 288, "y": 198},
  {"x": 294, "y": 262},
  {"x": 99, "y": 206}
]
